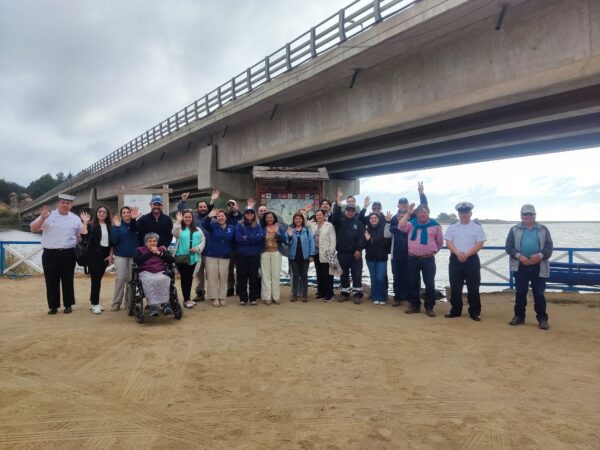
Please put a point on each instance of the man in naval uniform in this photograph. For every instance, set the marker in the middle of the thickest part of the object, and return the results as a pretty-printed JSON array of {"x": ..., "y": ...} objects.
[
  {"x": 60, "y": 231},
  {"x": 464, "y": 239}
]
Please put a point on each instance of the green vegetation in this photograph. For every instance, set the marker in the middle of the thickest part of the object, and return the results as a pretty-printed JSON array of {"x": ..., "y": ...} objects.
[{"x": 36, "y": 188}]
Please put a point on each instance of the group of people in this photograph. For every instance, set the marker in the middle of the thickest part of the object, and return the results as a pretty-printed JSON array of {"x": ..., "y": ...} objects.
[{"x": 231, "y": 251}]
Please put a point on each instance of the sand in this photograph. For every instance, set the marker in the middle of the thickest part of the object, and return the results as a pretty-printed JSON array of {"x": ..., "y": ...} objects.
[{"x": 297, "y": 376}]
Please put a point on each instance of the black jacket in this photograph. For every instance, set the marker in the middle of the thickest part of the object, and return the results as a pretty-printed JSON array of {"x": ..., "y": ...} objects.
[
  {"x": 163, "y": 226},
  {"x": 378, "y": 246},
  {"x": 349, "y": 233}
]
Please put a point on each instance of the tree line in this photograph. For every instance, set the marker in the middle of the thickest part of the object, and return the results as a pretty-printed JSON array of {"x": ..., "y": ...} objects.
[{"x": 36, "y": 188}]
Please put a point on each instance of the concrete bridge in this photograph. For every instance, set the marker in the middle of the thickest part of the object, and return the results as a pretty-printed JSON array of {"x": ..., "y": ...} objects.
[{"x": 383, "y": 86}]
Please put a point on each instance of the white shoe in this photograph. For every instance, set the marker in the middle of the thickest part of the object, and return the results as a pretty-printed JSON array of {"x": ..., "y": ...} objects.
[
  {"x": 97, "y": 309},
  {"x": 101, "y": 308},
  {"x": 376, "y": 303}
]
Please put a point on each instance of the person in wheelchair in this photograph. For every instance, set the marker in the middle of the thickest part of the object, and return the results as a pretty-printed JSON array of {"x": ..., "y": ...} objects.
[{"x": 152, "y": 262}]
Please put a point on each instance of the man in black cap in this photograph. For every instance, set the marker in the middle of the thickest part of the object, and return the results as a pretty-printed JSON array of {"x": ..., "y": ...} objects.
[
  {"x": 530, "y": 247},
  {"x": 400, "y": 248},
  {"x": 61, "y": 229},
  {"x": 156, "y": 222},
  {"x": 464, "y": 239},
  {"x": 350, "y": 241}
]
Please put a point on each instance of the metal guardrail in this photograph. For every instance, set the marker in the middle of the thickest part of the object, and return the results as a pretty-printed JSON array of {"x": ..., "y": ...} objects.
[
  {"x": 570, "y": 253},
  {"x": 333, "y": 31}
]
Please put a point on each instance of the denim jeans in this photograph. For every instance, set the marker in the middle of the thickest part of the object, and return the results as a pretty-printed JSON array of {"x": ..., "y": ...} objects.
[
  {"x": 400, "y": 272},
  {"x": 416, "y": 267},
  {"x": 377, "y": 272},
  {"x": 525, "y": 276}
]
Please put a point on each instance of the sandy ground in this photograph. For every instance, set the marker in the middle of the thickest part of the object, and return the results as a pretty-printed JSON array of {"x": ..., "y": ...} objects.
[{"x": 302, "y": 376}]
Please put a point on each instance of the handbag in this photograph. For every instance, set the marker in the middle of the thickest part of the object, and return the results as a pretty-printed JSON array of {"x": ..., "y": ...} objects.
[
  {"x": 184, "y": 259},
  {"x": 82, "y": 252}
]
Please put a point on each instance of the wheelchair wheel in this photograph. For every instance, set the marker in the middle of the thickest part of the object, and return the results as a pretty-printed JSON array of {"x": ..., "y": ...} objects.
[
  {"x": 129, "y": 297},
  {"x": 138, "y": 312},
  {"x": 177, "y": 311}
]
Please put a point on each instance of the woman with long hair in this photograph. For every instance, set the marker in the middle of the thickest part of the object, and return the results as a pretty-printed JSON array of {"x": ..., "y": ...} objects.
[
  {"x": 221, "y": 243},
  {"x": 124, "y": 239},
  {"x": 301, "y": 250},
  {"x": 190, "y": 244},
  {"x": 99, "y": 251},
  {"x": 377, "y": 236},
  {"x": 270, "y": 259},
  {"x": 249, "y": 238},
  {"x": 324, "y": 234}
]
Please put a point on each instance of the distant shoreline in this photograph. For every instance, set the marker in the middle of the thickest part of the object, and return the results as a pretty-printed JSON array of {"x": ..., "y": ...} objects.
[{"x": 500, "y": 221}]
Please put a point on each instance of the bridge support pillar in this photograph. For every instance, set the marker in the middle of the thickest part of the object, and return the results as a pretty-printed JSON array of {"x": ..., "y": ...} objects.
[{"x": 238, "y": 185}]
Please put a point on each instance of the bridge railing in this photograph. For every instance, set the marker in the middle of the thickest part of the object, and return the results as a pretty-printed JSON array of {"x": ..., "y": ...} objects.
[{"x": 332, "y": 32}]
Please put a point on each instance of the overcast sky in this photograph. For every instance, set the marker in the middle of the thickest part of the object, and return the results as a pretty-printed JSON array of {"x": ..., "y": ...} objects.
[{"x": 80, "y": 78}]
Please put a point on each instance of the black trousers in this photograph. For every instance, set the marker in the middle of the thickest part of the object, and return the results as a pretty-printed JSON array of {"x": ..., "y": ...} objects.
[
  {"x": 231, "y": 272},
  {"x": 465, "y": 272},
  {"x": 247, "y": 274},
  {"x": 97, "y": 267},
  {"x": 299, "y": 275},
  {"x": 59, "y": 269},
  {"x": 186, "y": 275},
  {"x": 324, "y": 280},
  {"x": 350, "y": 265}
]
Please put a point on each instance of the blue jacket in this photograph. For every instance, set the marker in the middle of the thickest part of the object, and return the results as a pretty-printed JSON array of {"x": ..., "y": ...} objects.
[
  {"x": 125, "y": 239},
  {"x": 222, "y": 240},
  {"x": 307, "y": 241},
  {"x": 250, "y": 240}
]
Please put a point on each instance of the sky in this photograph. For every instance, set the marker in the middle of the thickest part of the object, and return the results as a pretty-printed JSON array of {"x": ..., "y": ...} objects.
[{"x": 80, "y": 78}]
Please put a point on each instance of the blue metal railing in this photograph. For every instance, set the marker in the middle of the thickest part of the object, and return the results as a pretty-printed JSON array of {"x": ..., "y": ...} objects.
[
  {"x": 560, "y": 253},
  {"x": 355, "y": 18}
]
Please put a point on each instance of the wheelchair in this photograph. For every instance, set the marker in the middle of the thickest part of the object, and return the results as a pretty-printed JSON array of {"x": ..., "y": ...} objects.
[{"x": 134, "y": 295}]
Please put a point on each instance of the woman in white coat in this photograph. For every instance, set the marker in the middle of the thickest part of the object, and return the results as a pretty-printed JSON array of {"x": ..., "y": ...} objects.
[{"x": 324, "y": 234}]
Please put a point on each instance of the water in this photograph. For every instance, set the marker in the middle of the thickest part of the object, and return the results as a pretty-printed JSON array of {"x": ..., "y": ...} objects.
[{"x": 563, "y": 235}]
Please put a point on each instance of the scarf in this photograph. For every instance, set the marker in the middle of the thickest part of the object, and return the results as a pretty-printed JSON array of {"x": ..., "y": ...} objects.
[{"x": 423, "y": 227}]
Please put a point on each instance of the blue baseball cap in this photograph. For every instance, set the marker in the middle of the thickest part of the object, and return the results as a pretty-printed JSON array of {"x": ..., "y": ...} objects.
[{"x": 156, "y": 199}]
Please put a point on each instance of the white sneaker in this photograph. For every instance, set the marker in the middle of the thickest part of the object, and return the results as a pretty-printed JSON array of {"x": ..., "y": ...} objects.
[
  {"x": 376, "y": 303},
  {"x": 101, "y": 308},
  {"x": 97, "y": 309}
]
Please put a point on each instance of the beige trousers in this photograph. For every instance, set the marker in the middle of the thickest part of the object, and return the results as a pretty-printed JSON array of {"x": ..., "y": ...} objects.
[
  {"x": 217, "y": 270},
  {"x": 270, "y": 265},
  {"x": 122, "y": 276}
]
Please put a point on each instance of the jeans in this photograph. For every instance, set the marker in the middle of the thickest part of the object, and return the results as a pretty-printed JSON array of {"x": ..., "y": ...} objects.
[
  {"x": 525, "y": 276},
  {"x": 299, "y": 277},
  {"x": 350, "y": 265},
  {"x": 400, "y": 272},
  {"x": 377, "y": 270},
  {"x": 461, "y": 272},
  {"x": 426, "y": 267}
]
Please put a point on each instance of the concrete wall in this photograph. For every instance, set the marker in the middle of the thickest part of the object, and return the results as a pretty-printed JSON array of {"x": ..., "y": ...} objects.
[{"x": 544, "y": 47}]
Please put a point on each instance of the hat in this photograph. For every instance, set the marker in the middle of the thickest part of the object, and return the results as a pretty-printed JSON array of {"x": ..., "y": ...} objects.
[
  {"x": 464, "y": 207},
  {"x": 527, "y": 209},
  {"x": 231, "y": 201},
  {"x": 247, "y": 210},
  {"x": 402, "y": 200},
  {"x": 350, "y": 208},
  {"x": 376, "y": 204},
  {"x": 67, "y": 197},
  {"x": 156, "y": 199}
]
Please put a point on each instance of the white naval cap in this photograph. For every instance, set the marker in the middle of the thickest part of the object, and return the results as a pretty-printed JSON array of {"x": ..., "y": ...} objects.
[
  {"x": 465, "y": 206},
  {"x": 67, "y": 197}
]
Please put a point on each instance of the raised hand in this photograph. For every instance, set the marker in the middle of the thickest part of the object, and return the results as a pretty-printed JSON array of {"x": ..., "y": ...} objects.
[
  {"x": 135, "y": 212},
  {"x": 411, "y": 209},
  {"x": 215, "y": 194},
  {"x": 178, "y": 217},
  {"x": 85, "y": 217},
  {"x": 116, "y": 220},
  {"x": 308, "y": 207},
  {"x": 420, "y": 187},
  {"x": 340, "y": 195},
  {"x": 213, "y": 213},
  {"x": 185, "y": 196},
  {"x": 289, "y": 231},
  {"x": 388, "y": 216},
  {"x": 250, "y": 202},
  {"x": 45, "y": 212},
  {"x": 367, "y": 202},
  {"x": 367, "y": 235}
]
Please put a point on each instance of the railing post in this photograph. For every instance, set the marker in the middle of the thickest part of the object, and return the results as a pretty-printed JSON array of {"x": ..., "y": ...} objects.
[
  {"x": 249, "y": 79},
  {"x": 2, "y": 258},
  {"x": 288, "y": 58},
  {"x": 196, "y": 110},
  {"x": 313, "y": 45},
  {"x": 342, "y": 25},
  {"x": 233, "y": 96},
  {"x": 219, "y": 96},
  {"x": 206, "y": 104},
  {"x": 376, "y": 11},
  {"x": 267, "y": 69}
]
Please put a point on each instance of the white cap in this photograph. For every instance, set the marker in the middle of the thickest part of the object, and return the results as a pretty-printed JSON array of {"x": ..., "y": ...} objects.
[{"x": 67, "y": 197}]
